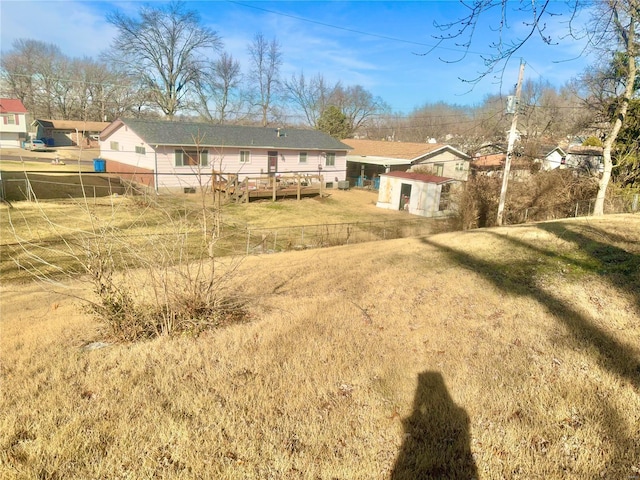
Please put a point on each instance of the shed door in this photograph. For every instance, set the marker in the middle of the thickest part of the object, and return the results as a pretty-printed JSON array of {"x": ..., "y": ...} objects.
[
  {"x": 405, "y": 196},
  {"x": 272, "y": 162}
]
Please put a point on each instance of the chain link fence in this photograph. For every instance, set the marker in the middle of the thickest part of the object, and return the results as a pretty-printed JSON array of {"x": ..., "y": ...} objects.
[
  {"x": 629, "y": 203},
  {"x": 254, "y": 240},
  {"x": 271, "y": 240}
]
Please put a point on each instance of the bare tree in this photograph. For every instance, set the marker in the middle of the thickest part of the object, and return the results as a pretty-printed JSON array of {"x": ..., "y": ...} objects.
[
  {"x": 19, "y": 70},
  {"x": 358, "y": 105},
  {"x": 220, "y": 86},
  {"x": 311, "y": 96},
  {"x": 32, "y": 70},
  {"x": 612, "y": 28},
  {"x": 53, "y": 85},
  {"x": 266, "y": 59},
  {"x": 165, "y": 50}
]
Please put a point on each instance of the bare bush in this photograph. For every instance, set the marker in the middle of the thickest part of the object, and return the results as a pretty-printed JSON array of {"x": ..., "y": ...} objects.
[
  {"x": 163, "y": 281},
  {"x": 543, "y": 196},
  {"x": 477, "y": 202}
]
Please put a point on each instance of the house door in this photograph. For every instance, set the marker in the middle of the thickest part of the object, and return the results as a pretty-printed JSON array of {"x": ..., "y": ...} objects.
[
  {"x": 272, "y": 162},
  {"x": 405, "y": 196}
]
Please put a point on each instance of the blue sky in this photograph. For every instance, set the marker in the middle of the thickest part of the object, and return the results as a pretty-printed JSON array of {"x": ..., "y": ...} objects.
[{"x": 376, "y": 44}]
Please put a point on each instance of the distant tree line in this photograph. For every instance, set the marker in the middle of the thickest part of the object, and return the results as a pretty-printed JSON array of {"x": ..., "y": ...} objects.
[{"x": 165, "y": 63}]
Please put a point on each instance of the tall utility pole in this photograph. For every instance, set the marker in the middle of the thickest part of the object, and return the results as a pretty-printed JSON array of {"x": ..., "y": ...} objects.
[{"x": 512, "y": 140}]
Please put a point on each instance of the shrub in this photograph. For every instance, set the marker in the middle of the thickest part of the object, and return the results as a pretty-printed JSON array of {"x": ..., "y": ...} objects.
[
  {"x": 592, "y": 142},
  {"x": 543, "y": 196},
  {"x": 163, "y": 280}
]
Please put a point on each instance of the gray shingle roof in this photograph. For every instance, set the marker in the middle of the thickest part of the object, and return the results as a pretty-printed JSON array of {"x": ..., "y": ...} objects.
[{"x": 155, "y": 132}]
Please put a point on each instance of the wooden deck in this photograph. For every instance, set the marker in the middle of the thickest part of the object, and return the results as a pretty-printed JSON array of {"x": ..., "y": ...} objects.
[{"x": 269, "y": 187}]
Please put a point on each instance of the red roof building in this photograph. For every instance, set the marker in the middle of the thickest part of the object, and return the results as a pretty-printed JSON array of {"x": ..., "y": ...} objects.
[{"x": 13, "y": 123}]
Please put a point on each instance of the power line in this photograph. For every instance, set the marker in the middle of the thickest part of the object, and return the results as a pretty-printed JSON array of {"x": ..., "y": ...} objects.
[{"x": 359, "y": 32}]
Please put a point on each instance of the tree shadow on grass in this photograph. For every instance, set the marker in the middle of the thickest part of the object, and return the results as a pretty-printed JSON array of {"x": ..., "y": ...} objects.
[
  {"x": 515, "y": 277},
  {"x": 437, "y": 440},
  {"x": 620, "y": 267}
]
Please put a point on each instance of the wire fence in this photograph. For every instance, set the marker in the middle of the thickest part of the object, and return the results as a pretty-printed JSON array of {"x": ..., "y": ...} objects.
[
  {"x": 271, "y": 240},
  {"x": 253, "y": 240},
  {"x": 629, "y": 203}
]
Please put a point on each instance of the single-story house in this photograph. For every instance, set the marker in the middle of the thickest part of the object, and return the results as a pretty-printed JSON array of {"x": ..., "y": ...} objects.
[
  {"x": 13, "y": 125},
  {"x": 370, "y": 158},
  {"x": 493, "y": 164},
  {"x": 181, "y": 155},
  {"x": 65, "y": 133},
  {"x": 417, "y": 193},
  {"x": 586, "y": 159}
]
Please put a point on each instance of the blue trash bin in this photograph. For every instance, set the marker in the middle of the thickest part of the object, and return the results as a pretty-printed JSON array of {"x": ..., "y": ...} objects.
[{"x": 99, "y": 165}]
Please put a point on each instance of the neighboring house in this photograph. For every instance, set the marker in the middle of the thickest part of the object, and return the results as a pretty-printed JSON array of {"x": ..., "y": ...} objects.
[
  {"x": 416, "y": 193},
  {"x": 493, "y": 165},
  {"x": 555, "y": 157},
  {"x": 371, "y": 158},
  {"x": 585, "y": 159},
  {"x": 65, "y": 133},
  {"x": 13, "y": 124},
  {"x": 174, "y": 155}
]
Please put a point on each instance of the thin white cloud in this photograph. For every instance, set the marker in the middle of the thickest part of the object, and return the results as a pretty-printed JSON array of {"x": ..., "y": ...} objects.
[{"x": 78, "y": 28}]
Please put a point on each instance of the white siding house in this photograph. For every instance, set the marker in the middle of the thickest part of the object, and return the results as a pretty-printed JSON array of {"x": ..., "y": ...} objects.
[
  {"x": 555, "y": 158},
  {"x": 183, "y": 155},
  {"x": 13, "y": 123},
  {"x": 416, "y": 193}
]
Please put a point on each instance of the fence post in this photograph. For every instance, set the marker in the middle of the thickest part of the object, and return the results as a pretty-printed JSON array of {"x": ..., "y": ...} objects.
[
  {"x": 27, "y": 186},
  {"x": 248, "y": 239},
  {"x": 589, "y": 211},
  {"x": 576, "y": 213},
  {"x": 634, "y": 205}
]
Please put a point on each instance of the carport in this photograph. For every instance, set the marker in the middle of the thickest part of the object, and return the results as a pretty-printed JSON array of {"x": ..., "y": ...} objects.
[
  {"x": 66, "y": 133},
  {"x": 365, "y": 171}
]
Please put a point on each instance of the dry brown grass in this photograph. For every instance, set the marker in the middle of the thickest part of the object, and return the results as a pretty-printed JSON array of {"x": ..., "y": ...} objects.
[
  {"x": 19, "y": 158},
  {"x": 513, "y": 349},
  {"x": 49, "y": 227}
]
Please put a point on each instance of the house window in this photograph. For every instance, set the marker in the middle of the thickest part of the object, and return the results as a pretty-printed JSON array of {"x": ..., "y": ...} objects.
[
  {"x": 460, "y": 166},
  {"x": 302, "y": 158},
  {"x": 245, "y": 156},
  {"x": 330, "y": 159},
  {"x": 438, "y": 169},
  {"x": 140, "y": 150},
  {"x": 189, "y": 158},
  {"x": 115, "y": 146},
  {"x": 9, "y": 119},
  {"x": 445, "y": 195}
]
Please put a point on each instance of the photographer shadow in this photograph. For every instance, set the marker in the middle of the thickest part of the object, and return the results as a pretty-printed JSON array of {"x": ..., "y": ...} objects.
[{"x": 437, "y": 440}]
